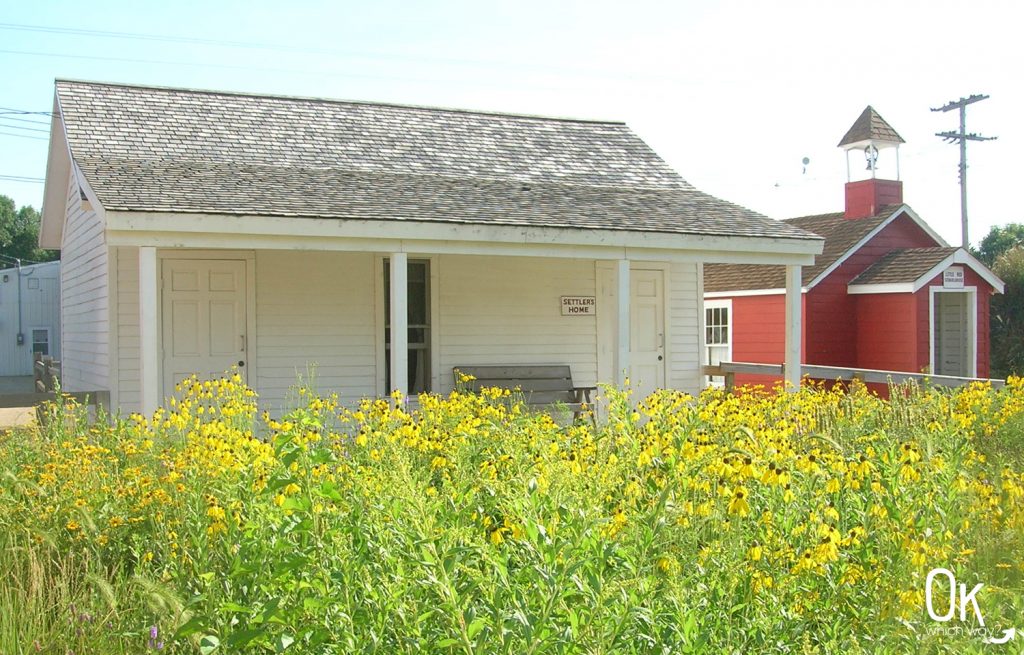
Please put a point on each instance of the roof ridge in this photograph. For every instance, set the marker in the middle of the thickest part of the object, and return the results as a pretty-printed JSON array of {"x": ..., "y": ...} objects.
[{"x": 339, "y": 101}]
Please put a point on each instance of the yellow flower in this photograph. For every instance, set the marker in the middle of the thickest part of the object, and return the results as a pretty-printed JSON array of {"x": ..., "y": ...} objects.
[
  {"x": 755, "y": 552},
  {"x": 739, "y": 505}
]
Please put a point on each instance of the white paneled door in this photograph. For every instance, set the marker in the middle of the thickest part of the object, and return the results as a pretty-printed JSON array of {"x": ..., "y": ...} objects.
[
  {"x": 204, "y": 319},
  {"x": 646, "y": 331}
]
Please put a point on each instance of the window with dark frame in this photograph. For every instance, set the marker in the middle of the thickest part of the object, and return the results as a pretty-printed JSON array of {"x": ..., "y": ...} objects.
[
  {"x": 716, "y": 339},
  {"x": 41, "y": 341},
  {"x": 418, "y": 325}
]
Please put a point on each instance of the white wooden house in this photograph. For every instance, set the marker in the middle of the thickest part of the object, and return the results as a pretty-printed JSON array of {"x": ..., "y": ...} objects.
[
  {"x": 202, "y": 230},
  {"x": 29, "y": 316}
]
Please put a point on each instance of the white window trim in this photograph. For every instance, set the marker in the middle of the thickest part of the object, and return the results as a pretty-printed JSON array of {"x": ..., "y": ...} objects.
[
  {"x": 972, "y": 327},
  {"x": 724, "y": 303},
  {"x": 715, "y": 295},
  {"x": 435, "y": 320},
  {"x": 49, "y": 339}
]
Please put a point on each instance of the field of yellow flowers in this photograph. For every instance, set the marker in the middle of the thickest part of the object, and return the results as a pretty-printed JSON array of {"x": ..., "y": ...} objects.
[{"x": 756, "y": 522}]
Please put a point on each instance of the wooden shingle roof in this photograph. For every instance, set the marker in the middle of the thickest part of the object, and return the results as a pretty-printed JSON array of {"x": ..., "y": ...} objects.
[
  {"x": 840, "y": 234},
  {"x": 149, "y": 149},
  {"x": 870, "y": 126},
  {"x": 904, "y": 265}
]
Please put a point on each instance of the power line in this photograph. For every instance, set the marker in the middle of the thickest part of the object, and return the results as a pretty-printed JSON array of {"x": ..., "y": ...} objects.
[
  {"x": 21, "y": 120},
  {"x": 18, "y": 260},
  {"x": 10, "y": 110},
  {"x": 25, "y": 136},
  {"x": 289, "y": 71},
  {"x": 277, "y": 47},
  {"x": 168, "y": 38},
  {"x": 19, "y": 127},
  {"x": 22, "y": 178}
]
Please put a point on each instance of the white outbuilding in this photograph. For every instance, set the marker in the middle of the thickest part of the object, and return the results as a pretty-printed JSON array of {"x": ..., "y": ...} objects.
[
  {"x": 202, "y": 230},
  {"x": 29, "y": 316}
]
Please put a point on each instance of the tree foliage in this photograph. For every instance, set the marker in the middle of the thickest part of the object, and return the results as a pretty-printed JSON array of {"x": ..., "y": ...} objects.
[
  {"x": 999, "y": 240},
  {"x": 19, "y": 235},
  {"x": 1007, "y": 315}
]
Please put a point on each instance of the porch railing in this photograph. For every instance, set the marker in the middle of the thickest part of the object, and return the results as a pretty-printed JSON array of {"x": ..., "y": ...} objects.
[{"x": 728, "y": 370}]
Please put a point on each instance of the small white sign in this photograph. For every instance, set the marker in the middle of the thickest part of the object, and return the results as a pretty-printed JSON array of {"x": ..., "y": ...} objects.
[
  {"x": 579, "y": 306},
  {"x": 953, "y": 277}
]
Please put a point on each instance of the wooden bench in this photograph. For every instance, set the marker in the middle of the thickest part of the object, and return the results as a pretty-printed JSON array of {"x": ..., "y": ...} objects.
[{"x": 540, "y": 385}]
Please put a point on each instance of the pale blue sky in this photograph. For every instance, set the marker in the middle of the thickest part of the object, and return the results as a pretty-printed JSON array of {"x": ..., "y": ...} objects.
[{"x": 733, "y": 94}]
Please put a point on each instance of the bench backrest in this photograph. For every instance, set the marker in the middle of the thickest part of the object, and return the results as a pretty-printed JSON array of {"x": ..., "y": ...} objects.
[{"x": 541, "y": 385}]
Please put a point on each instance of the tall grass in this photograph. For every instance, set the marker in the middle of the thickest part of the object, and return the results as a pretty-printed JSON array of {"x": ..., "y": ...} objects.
[{"x": 758, "y": 522}]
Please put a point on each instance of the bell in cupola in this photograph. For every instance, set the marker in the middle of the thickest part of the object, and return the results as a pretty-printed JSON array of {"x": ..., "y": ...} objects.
[{"x": 871, "y": 135}]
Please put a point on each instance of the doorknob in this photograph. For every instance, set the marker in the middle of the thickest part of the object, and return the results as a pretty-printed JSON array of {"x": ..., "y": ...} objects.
[{"x": 241, "y": 364}]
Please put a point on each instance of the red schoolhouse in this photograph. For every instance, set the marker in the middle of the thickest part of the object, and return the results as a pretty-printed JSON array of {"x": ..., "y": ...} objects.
[{"x": 886, "y": 293}]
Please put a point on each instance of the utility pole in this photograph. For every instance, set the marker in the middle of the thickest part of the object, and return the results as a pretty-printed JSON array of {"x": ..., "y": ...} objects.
[{"x": 963, "y": 137}]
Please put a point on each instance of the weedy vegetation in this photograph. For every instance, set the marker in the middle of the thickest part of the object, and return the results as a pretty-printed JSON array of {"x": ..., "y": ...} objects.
[{"x": 759, "y": 522}]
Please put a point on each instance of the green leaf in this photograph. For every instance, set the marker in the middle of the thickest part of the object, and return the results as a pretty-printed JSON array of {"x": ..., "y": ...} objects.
[
  {"x": 446, "y": 643},
  {"x": 329, "y": 490},
  {"x": 284, "y": 641},
  {"x": 296, "y": 503},
  {"x": 244, "y": 637},
  {"x": 476, "y": 626},
  {"x": 208, "y": 644},
  {"x": 190, "y": 627},
  {"x": 230, "y": 607}
]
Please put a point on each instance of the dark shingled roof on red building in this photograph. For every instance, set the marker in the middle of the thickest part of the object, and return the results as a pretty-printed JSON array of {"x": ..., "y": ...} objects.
[
  {"x": 840, "y": 235},
  {"x": 870, "y": 126},
  {"x": 904, "y": 265}
]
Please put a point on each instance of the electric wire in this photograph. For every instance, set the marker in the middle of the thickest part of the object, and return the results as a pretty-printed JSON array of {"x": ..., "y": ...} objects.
[
  {"x": 19, "y": 127},
  {"x": 25, "y": 136},
  {"x": 22, "y": 178}
]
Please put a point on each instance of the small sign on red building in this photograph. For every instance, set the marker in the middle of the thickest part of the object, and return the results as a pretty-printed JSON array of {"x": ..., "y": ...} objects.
[{"x": 953, "y": 277}]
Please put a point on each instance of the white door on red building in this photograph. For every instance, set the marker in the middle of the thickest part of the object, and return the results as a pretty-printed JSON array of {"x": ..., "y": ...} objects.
[
  {"x": 204, "y": 319},
  {"x": 647, "y": 332}
]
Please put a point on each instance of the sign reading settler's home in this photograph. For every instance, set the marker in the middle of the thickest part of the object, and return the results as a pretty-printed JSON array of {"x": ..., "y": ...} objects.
[{"x": 579, "y": 306}]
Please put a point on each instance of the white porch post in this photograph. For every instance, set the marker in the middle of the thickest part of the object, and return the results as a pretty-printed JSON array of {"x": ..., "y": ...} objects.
[
  {"x": 622, "y": 323},
  {"x": 149, "y": 331},
  {"x": 793, "y": 326},
  {"x": 399, "y": 323}
]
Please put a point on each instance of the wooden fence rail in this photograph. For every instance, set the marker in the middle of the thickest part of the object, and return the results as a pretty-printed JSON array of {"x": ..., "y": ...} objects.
[{"x": 728, "y": 370}]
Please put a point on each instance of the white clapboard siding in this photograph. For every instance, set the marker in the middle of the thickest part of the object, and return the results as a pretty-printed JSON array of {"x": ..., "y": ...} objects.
[
  {"x": 506, "y": 310},
  {"x": 126, "y": 390},
  {"x": 315, "y": 313},
  {"x": 85, "y": 276},
  {"x": 683, "y": 312}
]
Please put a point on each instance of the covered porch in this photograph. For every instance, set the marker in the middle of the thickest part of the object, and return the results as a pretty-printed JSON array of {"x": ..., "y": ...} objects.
[{"x": 280, "y": 298}]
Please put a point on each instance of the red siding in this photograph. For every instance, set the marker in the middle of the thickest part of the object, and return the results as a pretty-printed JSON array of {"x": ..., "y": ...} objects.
[
  {"x": 832, "y": 323},
  {"x": 866, "y": 197},
  {"x": 880, "y": 331},
  {"x": 887, "y": 332},
  {"x": 759, "y": 334}
]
